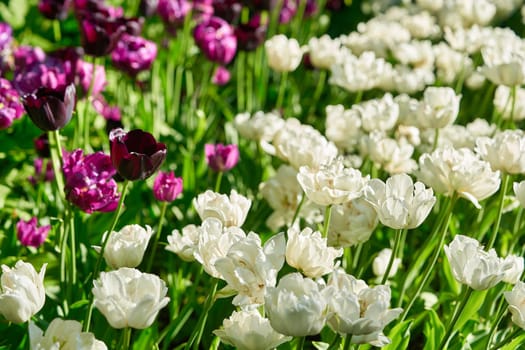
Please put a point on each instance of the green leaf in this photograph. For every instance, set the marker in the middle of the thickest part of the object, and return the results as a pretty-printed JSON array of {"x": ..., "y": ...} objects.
[
  {"x": 434, "y": 330},
  {"x": 477, "y": 298},
  {"x": 400, "y": 336},
  {"x": 15, "y": 13},
  {"x": 515, "y": 344},
  {"x": 79, "y": 304}
]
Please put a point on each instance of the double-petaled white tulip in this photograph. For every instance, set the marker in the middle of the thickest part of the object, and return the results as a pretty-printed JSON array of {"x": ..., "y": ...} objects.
[
  {"x": 380, "y": 263},
  {"x": 308, "y": 252},
  {"x": 129, "y": 298},
  {"x": 505, "y": 151},
  {"x": 22, "y": 292},
  {"x": 450, "y": 171},
  {"x": 439, "y": 108},
  {"x": 249, "y": 268},
  {"x": 296, "y": 307},
  {"x": 63, "y": 335},
  {"x": 331, "y": 183},
  {"x": 283, "y": 54},
  {"x": 516, "y": 300},
  {"x": 184, "y": 244},
  {"x": 230, "y": 210},
  {"x": 359, "y": 310},
  {"x": 248, "y": 330},
  {"x": 400, "y": 203},
  {"x": 473, "y": 266},
  {"x": 125, "y": 248}
]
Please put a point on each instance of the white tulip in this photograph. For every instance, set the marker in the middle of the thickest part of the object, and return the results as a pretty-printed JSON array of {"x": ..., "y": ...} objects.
[
  {"x": 505, "y": 151},
  {"x": 250, "y": 268},
  {"x": 129, "y": 298},
  {"x": 230, "y": 210},
  {"x": 63, "y": 335},
  {"x": 248, "y": 330},
  {"x": 516, "y": 300},
  {"x": 185, "y": 244},
  {"x": 125, "y": 248},
  {"x": 324, "y": 51},
  {"x": 296, "y": 307},
  {"x": 519, "y": 191},
  {"x": 332, "y": 183},
  {"x": 259, "y": 127},
  {"x": 400, "y": 203},
  {"x": 22, "y": 292},
  {"x": 380, "y": 263},
  {"x": 215, "y": 241},
  {"x": 514, "y": 272},
  {"x": 439, "y": 108},
  {"x": 473, "y": 266},
  {"x": 283, "y": 54},
  {"x": 379, "y": 114},
  {"x": 450, "y": 171},
  {"x": 308, "y": 252},
  {"x": 503, "y": 103}
]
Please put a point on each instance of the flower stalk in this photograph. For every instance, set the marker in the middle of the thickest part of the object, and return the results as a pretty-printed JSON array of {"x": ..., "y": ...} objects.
[
  {"x": 457, "y": 312},
  {"x": 157, "y": 236}
]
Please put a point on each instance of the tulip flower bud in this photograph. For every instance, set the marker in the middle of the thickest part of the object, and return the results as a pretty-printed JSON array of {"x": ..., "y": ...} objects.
[
  {"x": 125, "y": 248},
  {"x": 167, "y": 187},
  {"x": 136, "y": 155},
  {"x": 29, "y": 234},
  {"x": 22, "y": 291},
  {"x": 216, "y": 40},
  {"x": 50, "y": 109},
  {"x": 221, "y": 157}
]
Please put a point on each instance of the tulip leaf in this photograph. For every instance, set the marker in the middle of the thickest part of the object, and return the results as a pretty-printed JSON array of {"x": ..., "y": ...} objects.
[
  {"x": 79, "y": 304},
  {"x": 15, "y": 13},
  {"x": 400, "y": 336},
  {"x": 515, "y": 343},
  {"x": 434, "y": 331},
  {"x": 473, "y": 305}
]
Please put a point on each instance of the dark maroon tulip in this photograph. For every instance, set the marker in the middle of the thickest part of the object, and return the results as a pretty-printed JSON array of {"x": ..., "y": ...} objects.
[
  {"x": 54, "y": 9},
  {"x": 252, "y": 34},
  {"x": 99, "y": 33},
  {"x": 50, "y": 109},
  {"x": 148, "y": 8},
  {"x": 229, "y": 10},
  {"x": 136, "y": 155}
]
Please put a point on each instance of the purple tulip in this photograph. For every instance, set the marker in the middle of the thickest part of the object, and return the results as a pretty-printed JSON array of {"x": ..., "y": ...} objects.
[
  {"x": 54, "y": 9},
  {"x": 311, "y": 8},
  {"x": 49, "y": 73},
  {"x": 288, "y": 11},
  {"x": 173, "y": 12},
  {"x": 84, "y": 72},
  {"x": 216, "y": 39},
  {"x": 89, "y": 182},
  {"x": 221, "y": 157},
  {"x": 6, "y": 36},
  {"x": 252, "y": 34},
  {"x": 221, "y": 76},
  {"x": 26, "y": 56},
  {"x": 50, "y": 109},
  {"x": 167, "y": 187},
  {"x": 134, "y": 54},
  {"x": 136, "y": 155},
  {"x": 11, "y": 107},
  {"x": 110, "y": 113},
  {"x": 42, "y": 146},
  {"x": 29, "y": 234},
  {"x": 202, "y": 10}
]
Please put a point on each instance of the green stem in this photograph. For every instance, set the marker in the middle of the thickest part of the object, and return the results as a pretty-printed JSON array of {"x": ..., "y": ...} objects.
[
  {"x": 504, "y": 184},
  {"x": 298, "y": 209},
  {"x": 196, "y": 336},
  {"x": 358, "y": 97},
  {"x": 282, "y": 89},
  {"x": 434, "y": 259},
  {"x": 73, "y": 244},
  {"x": 249, "y": 80},
  {"x": 125, "y": 338},
  {"x": 56, "y": 30},
  {"x": 300, "y": 343},
  {"x": 240, "y": 63},
  {"x": 326, "y": 222},
  {"x": 348, "y": 342},
  {"x": 87, "y": 320},
  {"x": 513, "y": 105},
  {"x": 56, "y": 159},
  {"x": 157, "y": 236},
  {"x": 501, "y": 312},
  {"x": 218, "y": 182},
  {"x": 318, "y": 91},
  {"x": 516, "y": 229},
  {"x": 397, "y": 241},
  {"x": 335, "y": 343},
  {"x": 457, "y": 313}
]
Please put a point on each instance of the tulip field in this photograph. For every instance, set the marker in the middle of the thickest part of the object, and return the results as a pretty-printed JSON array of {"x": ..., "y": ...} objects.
[{"x": 267, "y": 174}]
